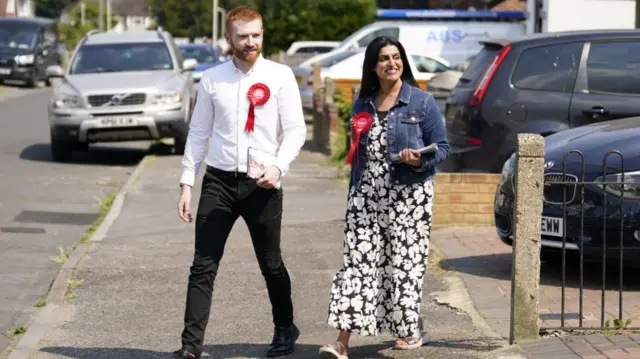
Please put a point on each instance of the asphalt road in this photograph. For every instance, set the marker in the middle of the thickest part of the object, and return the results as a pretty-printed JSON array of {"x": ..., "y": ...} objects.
[{"x": 44, "y": 205}]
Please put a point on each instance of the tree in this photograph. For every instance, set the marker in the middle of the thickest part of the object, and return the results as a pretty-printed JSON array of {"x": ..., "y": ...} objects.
[
  {"x": 51, "y": 9},
  {"x": 72, "y": 32},
  {"x": 285, "y": 21}
]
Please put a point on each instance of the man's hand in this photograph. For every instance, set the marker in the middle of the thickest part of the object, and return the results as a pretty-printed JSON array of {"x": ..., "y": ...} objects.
[
  {"x": 270, "y": 178},
  {"x": 184, "y": 202},
  {"x": 411, "y": 157}
]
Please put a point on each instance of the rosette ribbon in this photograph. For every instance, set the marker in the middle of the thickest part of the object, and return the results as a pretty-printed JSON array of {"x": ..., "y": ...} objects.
[
  {"x": 360, "y": 123},
  {"x": 258, "y": 95}
]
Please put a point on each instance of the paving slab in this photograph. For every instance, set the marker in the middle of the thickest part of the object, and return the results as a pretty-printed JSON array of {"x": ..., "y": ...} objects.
[
  {"x": 131, "y": 301},
  {"x": 484, "y": 263},
  {"x": 43, "y": 204}
]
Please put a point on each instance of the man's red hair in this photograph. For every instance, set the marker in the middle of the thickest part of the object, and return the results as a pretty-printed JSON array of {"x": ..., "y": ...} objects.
[{"x": 243, "y": 13}]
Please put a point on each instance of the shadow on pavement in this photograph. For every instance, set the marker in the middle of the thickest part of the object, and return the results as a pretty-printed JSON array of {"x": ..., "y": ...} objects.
[
  {"x": 223, "y": 351},
  {"x": 98, "y": 154},
  {"x": 498, "y": 266}
]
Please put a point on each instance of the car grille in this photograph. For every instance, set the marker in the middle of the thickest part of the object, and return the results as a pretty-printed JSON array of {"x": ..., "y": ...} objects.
[
  {"x": 6, "y": 62},
  {"x": 132, "y": 99},
  {"x": 553, "y": 192}
]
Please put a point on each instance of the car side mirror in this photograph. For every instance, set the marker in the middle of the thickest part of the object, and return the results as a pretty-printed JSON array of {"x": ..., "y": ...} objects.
[
  {"x": 54, "y": 71},
  {"x": 189, "y": 64}
]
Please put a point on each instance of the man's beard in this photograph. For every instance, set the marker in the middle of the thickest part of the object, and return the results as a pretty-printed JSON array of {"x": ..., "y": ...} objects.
[{"x": 239, "y": 53}]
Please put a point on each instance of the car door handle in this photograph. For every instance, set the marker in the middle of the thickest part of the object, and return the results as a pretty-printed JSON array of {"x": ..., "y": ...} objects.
[{"x": 596, "y": 111}]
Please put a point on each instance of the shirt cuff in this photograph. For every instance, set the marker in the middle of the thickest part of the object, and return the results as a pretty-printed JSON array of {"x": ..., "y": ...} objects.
[
  {"x": 283, "y": 167},
  {"x": 188, "y": 177}
]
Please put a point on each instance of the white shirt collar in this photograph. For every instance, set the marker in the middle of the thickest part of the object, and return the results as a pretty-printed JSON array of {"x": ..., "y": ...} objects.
[{"x": 259, "y": 60}]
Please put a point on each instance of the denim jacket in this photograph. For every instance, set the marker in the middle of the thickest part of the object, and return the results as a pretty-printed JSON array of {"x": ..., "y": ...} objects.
[{"x": 413, "y": 122}]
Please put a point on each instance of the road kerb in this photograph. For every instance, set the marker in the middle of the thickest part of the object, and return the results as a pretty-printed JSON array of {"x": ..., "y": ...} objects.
[{"x": 45, "y": 318}]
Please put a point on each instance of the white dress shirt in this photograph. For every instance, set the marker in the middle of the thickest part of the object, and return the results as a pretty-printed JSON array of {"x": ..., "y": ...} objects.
[{"x": 220, "y": 115}]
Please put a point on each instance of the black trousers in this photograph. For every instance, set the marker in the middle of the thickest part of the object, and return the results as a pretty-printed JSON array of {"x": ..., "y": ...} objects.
[{"x": 225, "y": 197}]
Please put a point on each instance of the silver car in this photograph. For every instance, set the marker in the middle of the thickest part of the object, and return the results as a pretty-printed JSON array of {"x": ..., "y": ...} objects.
[{"x": 126, "y": 86}]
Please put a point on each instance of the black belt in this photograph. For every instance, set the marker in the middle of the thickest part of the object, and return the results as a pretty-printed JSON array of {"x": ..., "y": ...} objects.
[{"x": 217, "y": 171}]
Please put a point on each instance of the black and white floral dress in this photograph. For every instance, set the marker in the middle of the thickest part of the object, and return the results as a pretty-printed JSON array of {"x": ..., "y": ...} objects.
[{"x": 379, "y": 286}]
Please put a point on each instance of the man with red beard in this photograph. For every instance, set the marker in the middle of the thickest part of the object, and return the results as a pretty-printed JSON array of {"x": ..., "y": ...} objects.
[{"x": 242, "y": 109}]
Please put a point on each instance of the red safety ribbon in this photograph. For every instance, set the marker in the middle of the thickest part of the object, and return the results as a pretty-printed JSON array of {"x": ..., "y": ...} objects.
[
  {"x": 258, "y": 95},
  {"x": 360, "y": 124}
]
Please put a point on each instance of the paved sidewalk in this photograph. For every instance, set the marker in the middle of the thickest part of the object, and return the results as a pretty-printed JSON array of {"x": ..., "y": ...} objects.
[
  {"x": 131, "y": 301},
  {"x": 484, "y": 264}
]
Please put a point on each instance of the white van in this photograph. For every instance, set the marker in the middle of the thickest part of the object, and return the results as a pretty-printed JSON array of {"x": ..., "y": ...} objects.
[{"x": 453, "y": 35}]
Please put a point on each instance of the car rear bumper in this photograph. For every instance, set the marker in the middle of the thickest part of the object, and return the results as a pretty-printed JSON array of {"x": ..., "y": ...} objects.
[{"x": 79, "y": 125}]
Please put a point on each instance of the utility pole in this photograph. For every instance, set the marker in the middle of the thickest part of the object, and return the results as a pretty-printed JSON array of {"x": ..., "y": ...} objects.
[
  {"x": 637, "y": 14},
  {"x": 83, "y": 13},
  {"x": 214, "y": 35},
  {"x": 100, "y": 15},
  {"x": 108, "y": 15},
  {"x": 15, "y": 8}
]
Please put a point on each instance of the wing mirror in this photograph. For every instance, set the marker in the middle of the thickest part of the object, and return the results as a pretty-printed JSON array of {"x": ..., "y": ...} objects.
[
  {"x": 54, "y": 71},
  {"x": 189, "y": 64}
]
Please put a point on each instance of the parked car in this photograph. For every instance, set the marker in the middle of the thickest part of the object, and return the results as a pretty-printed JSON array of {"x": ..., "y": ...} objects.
[
  {"x": 310, "y": 47},
  {"x": 205, "y": 54},
  {"x": 542, "y": 84},
  {"x": 348, "y": 65},
  {"x": 27, "y": 47},
  {"x": 121, "y": 86},
  {"x": 453, "y": 35},
  {"x": 593, "y": 141}
]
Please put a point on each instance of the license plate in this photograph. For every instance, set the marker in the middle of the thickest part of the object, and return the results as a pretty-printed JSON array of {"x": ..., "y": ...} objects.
[
  {"x": 552, "y": 226},
  {"x": 117, "y": 122},
  {"x": 5, "y": 71},
  {"x": 299, "y": 78}
]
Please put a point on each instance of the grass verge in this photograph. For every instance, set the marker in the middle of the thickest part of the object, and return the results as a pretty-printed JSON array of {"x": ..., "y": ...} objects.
[{"x": 105, "y": 205}]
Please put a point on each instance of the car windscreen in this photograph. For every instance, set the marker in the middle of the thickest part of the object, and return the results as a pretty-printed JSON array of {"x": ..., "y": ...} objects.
[
  {"x": 334, "y": 59},
  {"x": 17, "y": 36},
  {"x": 202, "y": 54},
  {"x": 123, "y": 57},
  {"x": 479, "y": 64}
]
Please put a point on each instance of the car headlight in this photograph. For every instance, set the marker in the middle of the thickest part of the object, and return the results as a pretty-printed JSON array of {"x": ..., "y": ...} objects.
[
  {"x": 66, "y": 100},
  {"x": 167, "y": 98},
  {"x": 25, "y": 59},
  {"x": 630, "y": 189}
]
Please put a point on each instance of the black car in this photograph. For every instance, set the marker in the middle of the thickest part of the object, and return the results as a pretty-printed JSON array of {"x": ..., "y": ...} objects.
[
  {"x": 543, "y": 84},
  {"x": 27, "y": 47},
  {"x": 593, "y": 141}
]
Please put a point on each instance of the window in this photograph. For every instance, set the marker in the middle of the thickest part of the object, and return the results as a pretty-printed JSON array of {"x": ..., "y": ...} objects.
[
  {"x": 312, "y": 49},
  {"x": 613, "y": 67},
  {"x": 17, "y": 36},
  {"x": 122, "y": 57},
  {"x": 204, "y": 54},
  {"x": 478, "y": 65},
  {"x": 548, "y": 68},
  {"x": 427, "y": 64},
  {"x": 393, "y": 32}
]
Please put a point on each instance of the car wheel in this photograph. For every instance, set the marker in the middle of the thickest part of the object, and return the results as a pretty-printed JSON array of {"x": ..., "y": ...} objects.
[
  {"x": 47, "y": 82},
  {"x": 179, "y": 144},
  {"x": 61, "y": 151}
]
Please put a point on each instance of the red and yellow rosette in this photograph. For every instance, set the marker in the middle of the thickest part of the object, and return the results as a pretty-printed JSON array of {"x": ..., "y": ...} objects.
[
  {"x": 258, "y": 95},
  {"x": 360, "y": 123}
]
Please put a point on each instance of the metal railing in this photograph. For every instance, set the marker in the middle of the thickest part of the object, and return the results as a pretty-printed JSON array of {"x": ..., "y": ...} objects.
[{"x": 573, "y": 188}]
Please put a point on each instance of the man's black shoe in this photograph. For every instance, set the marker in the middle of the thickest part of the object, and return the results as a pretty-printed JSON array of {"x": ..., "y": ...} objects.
[
  {"x": 183, "y": 354},
  {"x": 284, "y": 338}
]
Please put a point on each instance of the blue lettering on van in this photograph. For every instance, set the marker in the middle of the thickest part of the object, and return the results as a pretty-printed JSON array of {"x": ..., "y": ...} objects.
[{"x": 454, "y": 36}]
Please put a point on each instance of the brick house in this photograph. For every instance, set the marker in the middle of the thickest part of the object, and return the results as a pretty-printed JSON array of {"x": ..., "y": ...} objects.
[
  {"x": 26, "y": 8},
  {"x": 131, "y": 15}
]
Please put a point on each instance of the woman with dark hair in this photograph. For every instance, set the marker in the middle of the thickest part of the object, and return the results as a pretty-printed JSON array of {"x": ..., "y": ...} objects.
[{"x": 388, "y": 220}]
